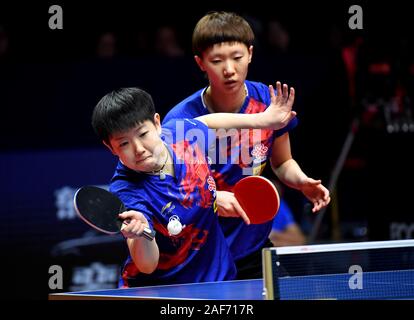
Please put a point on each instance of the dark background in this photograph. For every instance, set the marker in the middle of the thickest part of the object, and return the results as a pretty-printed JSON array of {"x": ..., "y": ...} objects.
[{"x": 50, "y": 80}]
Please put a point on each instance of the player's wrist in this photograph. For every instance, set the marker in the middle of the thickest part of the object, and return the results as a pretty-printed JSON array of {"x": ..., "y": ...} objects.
[{"x": 262, "y": 120}]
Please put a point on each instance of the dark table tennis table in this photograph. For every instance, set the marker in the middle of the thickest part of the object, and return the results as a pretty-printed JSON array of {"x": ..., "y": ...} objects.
[{"x": 383, "y": 285}]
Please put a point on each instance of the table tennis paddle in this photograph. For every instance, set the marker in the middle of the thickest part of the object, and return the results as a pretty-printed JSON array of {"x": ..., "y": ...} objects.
[
  {"x": 100, "y": 209},
  {"x": 258, "y": 197}
]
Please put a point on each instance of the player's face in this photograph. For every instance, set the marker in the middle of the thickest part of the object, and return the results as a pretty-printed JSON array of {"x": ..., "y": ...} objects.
[
  {"x": 226, "y": 65},
  {"x": 140, "y": 148}
]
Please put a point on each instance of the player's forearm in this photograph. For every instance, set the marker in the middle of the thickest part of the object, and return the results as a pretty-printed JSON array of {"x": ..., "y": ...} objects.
[
  {"x": 290, "y": 174},
  {"x": 144, "y": 253},
  {"x": 234, "y": 120}
]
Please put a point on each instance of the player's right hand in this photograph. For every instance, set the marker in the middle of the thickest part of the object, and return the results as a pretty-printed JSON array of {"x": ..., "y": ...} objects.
[{"x": 134, "y": 224}]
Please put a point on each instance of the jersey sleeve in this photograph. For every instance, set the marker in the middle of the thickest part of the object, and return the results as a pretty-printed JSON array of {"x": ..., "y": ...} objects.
[
  {"x": 191, "y": 130},
  {"x": 291, "y": 125},
  {"x": 189, "y": 108},
  {"x": 260, "y": 93}
]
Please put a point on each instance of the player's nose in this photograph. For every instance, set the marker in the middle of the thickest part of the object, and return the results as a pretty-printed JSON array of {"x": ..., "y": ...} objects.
[
  {"x": 229, "y": 69},
  {"x": 138, "y": 147}
]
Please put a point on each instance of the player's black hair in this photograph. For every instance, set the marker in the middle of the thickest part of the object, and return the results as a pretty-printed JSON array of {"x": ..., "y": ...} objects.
[{"x": 121, "y": 110}]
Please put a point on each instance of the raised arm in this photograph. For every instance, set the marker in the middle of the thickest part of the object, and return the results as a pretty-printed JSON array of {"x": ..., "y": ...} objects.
[{"x": 276, "y": 116}]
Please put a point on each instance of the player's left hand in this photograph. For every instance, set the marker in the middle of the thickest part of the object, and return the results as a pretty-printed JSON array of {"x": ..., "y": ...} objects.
[
  {"x": 316, "y": 193},
  {"x": 228, "y": 206}
]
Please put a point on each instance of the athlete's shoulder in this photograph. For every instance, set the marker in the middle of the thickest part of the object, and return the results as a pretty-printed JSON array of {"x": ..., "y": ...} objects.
[
  {"x": 190, "y": 107},
  {"x": 125, "y": 179},
  {"x": 133, "y": 192},
  {"x": 175, "y": 124},
  {"x": 258, "y": 91}
]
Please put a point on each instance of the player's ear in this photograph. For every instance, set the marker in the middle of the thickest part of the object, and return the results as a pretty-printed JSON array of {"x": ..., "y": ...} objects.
[
  {"x": 108, "y": 145},
  {"x": 200, "y": 63},
  {"x": 157, "y": 122},
  {"x": 250, "y": 53}
]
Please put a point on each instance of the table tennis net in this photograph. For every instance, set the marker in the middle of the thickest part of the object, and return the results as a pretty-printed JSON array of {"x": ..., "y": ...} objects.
[{"x": 364, "y": 270}]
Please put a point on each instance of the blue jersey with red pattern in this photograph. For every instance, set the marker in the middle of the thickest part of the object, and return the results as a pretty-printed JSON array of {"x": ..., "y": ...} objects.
[
  {"x": 199, "y": 252},
  {"x": 242, "y": 239}
]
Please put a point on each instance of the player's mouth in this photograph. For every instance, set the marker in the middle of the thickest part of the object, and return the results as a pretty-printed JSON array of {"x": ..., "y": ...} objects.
[
  {"x": 230, "y": 82},
  {"x": 141, "y": 160}
]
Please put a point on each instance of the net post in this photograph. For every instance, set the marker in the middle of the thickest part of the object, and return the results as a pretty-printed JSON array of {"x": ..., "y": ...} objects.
[{"x": 270, "y": 265}]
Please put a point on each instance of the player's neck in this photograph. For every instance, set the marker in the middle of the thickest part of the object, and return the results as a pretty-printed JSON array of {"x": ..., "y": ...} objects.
[
  {"x": 224, "y": 103},
  {"x": 169, "y": 165}
]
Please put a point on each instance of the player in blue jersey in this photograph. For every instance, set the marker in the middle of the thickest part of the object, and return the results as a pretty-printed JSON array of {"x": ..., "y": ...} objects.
[
  {"x": 222, "y": 44},
  {"x": 163, "y": 177}
]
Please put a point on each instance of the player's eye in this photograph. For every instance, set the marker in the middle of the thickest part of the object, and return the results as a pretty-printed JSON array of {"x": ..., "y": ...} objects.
[{"x": 143, "y": 134}]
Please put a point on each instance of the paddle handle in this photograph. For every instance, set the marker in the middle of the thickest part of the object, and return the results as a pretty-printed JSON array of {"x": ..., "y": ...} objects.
[{"x": 147, "y": 233}]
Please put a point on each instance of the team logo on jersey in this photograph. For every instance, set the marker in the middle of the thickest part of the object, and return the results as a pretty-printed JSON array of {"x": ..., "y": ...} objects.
[
  {"x": 215, "y": 205},
  {"x": 259, "y": 153},
  {"x": 257, "y": 170},
  {"x": 169, "y": 207},
  {"x": 211, "y": 185},
  {"x": 174, "y": 226}
]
